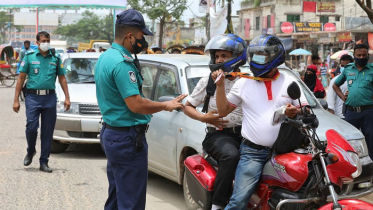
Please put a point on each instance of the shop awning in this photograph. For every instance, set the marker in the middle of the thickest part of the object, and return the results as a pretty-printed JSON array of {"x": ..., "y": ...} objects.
[{"x": 66, "y": 4}]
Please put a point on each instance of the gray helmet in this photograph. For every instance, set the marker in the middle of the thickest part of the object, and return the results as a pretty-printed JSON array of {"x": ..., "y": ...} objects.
[{"x": 228, "y": 42}]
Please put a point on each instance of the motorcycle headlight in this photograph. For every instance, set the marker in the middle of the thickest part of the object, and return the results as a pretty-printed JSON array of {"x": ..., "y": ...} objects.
[
  {"x": 355, "y": 161},
  {"x": 360, "y": 147},
  {"x": 74, "y": 108}
]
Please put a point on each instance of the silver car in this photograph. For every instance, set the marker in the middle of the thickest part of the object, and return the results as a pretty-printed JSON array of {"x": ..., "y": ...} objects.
[{"x": 173, "y": 136}]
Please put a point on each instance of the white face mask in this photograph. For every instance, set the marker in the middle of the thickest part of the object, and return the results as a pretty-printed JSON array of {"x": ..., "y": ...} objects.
[{"x": 44, "y": 46}]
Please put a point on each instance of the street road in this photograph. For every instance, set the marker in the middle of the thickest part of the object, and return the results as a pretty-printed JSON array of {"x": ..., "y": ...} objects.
[{"x": 78, "y": 180}]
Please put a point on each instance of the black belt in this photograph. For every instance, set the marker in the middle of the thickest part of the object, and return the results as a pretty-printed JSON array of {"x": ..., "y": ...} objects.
[
  {"x": 40, "y": 92},
  {"x": 139, "y": 128},
  {"x": 253, "y": 145},
  {"x": 359, "y": 108},
  {"x": 236, "y": 129}
]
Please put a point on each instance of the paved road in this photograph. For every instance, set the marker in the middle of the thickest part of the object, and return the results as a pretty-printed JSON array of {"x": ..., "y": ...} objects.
[{"x": 78, "y": 180}]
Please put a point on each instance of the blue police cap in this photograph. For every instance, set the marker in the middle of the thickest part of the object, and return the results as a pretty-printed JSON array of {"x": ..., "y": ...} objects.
[{"x": 133, "y": 18}]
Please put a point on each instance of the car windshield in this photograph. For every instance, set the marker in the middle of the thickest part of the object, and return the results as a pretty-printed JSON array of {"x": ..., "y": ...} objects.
[
  {"x": 80, "y": 70},
  {"x": 195, "y": 73}
]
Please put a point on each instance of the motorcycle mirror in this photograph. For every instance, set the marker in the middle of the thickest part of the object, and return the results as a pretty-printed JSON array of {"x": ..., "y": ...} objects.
[
  {"x": 294, "y": 91},
  {"x": 323, "y": 103}
]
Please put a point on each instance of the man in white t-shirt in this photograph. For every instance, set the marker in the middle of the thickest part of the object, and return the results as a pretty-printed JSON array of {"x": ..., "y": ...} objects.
[
  {"x": 223, "y": 137},
  {"x": 259, "y": 100},
  {"x": 335, "y": 104}
]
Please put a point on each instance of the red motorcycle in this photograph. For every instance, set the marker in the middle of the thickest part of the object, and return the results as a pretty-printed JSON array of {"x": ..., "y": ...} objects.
[{"x": 306, "y": 178}]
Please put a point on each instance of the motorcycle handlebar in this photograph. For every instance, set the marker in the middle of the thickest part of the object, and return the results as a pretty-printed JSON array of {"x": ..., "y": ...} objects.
[{"x": 295, "y": 123}]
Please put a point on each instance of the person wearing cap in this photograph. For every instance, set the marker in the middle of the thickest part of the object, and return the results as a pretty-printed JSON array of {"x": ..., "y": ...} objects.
[
  {"x": 313, "y": 83},
  {"x": 126, "y": 113}
]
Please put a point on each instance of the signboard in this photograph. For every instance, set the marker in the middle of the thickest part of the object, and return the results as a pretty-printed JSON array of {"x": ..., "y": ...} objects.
[
  {"x": 344, "y": 37},
  {"x": 325, "y": 40},
  {"x": 325, "y": 6},
  {"x": 287, "y": 27},
  {"x": 329, "y": 27},
  {"x": 307, "y": 27}
]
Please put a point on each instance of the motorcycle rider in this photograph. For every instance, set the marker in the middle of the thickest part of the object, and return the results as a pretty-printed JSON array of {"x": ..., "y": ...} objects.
[
  {"x": 259, "y": 99},
  {"x": 223, "y": 135}
]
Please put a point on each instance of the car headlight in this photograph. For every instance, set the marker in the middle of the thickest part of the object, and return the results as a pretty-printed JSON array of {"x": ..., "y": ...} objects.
[
  {"x": 74, "y": 108},
  {"x": 360, "y": 147},
  {"x": 355, "y": 161}
]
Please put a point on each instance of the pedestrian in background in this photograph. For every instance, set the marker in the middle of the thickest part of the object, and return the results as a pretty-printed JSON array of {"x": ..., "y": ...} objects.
[
  {"x": 126, "y": 113},
  {"x": 359, "y": 103},
  {"x": 324, "y": 73},
  {"x": 42, "y": 68},
  {"x": 313, "y": 83},
  {"x": 335, "y": 104},
  {"x": 22, "y": 53}
]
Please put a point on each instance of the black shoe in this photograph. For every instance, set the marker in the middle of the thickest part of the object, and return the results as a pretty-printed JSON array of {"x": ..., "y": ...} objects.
[
  {"x": 44, "y": 167},
  {"x": 28, "y": 159}
]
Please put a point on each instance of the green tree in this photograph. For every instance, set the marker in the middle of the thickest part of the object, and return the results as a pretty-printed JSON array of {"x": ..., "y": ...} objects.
[
  {"x": 367, "y": 7},
  {"x": 89, "y": 27},
  {"x": 161, "y": 10},
  {"x": 5, "y": 19}
]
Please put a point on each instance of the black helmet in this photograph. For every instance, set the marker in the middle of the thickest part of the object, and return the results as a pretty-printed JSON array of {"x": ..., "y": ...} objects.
[
  {"x": 228, "y": 42},
  {"x": 265, "y": 52}
]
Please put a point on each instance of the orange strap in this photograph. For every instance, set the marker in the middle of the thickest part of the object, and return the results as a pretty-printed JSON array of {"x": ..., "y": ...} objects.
[{"x": 247, "y": 76}]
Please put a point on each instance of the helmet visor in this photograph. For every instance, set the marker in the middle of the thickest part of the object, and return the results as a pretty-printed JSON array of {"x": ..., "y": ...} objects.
[{"x": 263, "y": 54}]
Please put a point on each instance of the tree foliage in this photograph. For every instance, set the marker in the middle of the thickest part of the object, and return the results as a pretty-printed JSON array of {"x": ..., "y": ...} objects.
[
  {"x": 366, "y": 5},
  {"x": 161, "y": 10},
  {"x": 88, "y": 28},
  {"x": 5, "y": 18}
]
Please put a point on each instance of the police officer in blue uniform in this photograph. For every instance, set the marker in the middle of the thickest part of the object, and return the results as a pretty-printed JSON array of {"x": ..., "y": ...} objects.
[
  {"x": 42, "y": 68},
  {"x": 126, "y": 113}
]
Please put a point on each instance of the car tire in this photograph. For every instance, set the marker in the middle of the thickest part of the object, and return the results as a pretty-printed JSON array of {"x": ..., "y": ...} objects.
[
  {"x": 189, "y": 202},
  {"x": 58, "y": 147}
]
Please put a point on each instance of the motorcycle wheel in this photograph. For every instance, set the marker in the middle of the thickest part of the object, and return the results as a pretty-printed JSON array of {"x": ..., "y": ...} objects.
[{"x": 189, "y": 202}]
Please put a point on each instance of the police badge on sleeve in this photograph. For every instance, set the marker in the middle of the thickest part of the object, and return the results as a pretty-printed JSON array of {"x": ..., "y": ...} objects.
[{"x": 132, "y": 76}]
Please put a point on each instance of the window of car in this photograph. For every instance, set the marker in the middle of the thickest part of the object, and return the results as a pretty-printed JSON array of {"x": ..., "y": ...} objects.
[
  {"x": 194, "y": 74},
  {"x": 166, "y": 85},
  {"x": 80, "y": 70},
  {"x": 149, "y": 73}
]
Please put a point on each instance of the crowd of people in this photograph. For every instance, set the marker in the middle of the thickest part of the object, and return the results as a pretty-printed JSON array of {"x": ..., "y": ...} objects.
[{"x": 239, "y": 134}]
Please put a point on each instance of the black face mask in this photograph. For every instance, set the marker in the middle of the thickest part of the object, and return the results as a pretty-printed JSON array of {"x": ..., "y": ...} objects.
[
  {"x": 361, "y": 61},
  {"x": 139, "y": 45}
]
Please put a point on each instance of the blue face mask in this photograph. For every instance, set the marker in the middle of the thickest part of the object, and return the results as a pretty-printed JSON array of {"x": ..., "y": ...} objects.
[{"x": 342, "y": 68}]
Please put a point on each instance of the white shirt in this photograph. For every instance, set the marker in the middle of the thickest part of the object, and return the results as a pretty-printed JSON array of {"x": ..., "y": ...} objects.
[
  {"x": 258, "y": 110},
  {"x": 335, "y": 103},
  {"x": 198, "y": 97}
]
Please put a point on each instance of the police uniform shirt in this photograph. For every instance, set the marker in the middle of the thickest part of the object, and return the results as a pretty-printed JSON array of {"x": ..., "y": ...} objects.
[
  {"x": 359, "y": 83},
  {"x": 41, "y": 70},
  {"x": 116, "y": 79}
]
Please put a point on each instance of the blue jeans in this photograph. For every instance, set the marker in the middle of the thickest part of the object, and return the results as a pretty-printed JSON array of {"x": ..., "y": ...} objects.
[
  {"x": 364, "y": 121},
  {"x": 43, "y": 106},
  {"x": 127, "y": 169},
  {"x": 248, "y": 172}
]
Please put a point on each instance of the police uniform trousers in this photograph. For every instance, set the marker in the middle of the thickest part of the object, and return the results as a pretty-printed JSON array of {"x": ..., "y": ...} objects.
[
  {"x": 224, "y": 148},
  {"x": 127, "y": 169},
  {"x": 43, "y": 106},
  {"x": 363, "y": 120}
]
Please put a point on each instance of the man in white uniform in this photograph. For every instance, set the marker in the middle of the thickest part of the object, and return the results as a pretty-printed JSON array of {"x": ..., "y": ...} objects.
[
  {"x": 259, "y": 100},
  {"x": 223, "y": 136}
]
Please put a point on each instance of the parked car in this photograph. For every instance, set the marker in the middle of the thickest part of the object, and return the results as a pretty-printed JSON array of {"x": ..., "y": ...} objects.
[
  {"x": 173, "y": 136},
  {"x": 81, "y": 123}
]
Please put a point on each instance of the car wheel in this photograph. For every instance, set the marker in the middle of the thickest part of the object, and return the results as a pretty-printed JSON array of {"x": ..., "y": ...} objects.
[
  {"x": 58, "y": 147},
  {"x": 189, "y": 202}
]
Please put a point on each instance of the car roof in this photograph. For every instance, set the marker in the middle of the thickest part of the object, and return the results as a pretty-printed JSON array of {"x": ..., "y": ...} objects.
[
  {"x": 81, "y": 55},
  {"x": 187, "y": 59}
]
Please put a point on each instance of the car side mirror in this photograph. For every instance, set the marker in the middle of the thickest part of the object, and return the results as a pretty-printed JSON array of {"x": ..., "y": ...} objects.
[
  {"x": 323, "y": 102},
  {"x": 294, "y": 91}
]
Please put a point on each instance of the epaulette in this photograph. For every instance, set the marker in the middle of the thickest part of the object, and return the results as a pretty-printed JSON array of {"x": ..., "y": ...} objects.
[
  {"x": 128, "y": 59},
  {"x": 350, "y": 64},
  {"x": 29, "y": 52}
]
